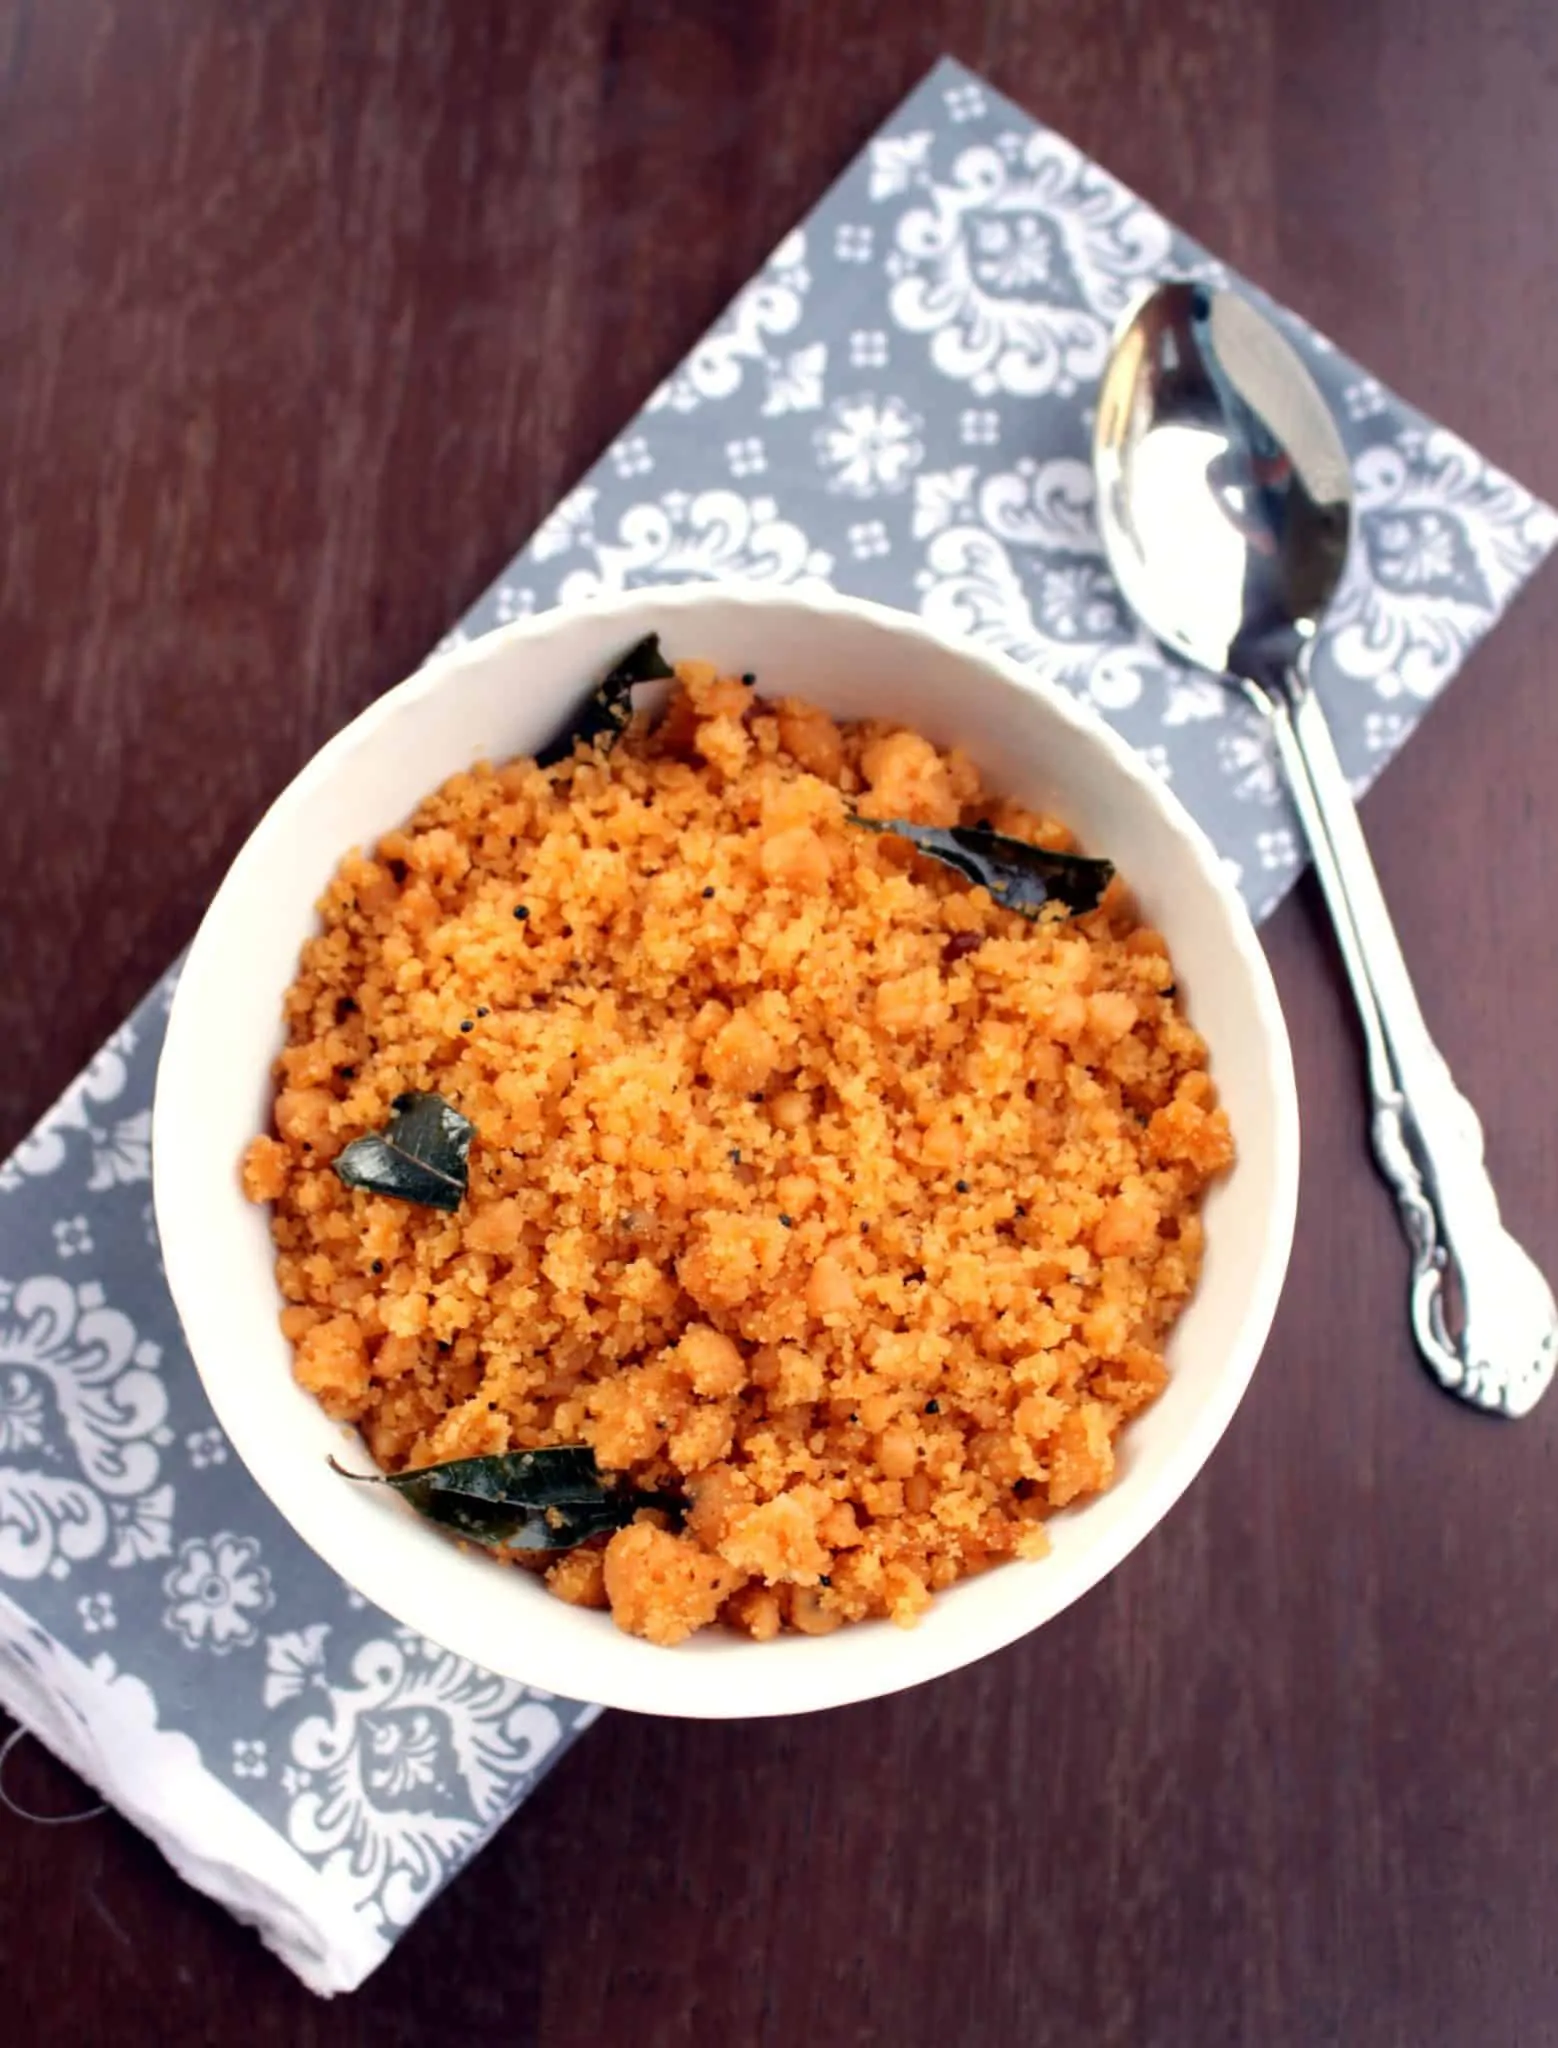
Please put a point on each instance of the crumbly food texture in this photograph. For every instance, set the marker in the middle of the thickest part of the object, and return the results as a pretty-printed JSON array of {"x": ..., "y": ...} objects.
[{"x": 807, "y": 1183}]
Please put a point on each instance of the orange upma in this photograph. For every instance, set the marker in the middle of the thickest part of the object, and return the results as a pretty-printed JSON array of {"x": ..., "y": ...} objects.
[{"x": 807, "y": 1185}]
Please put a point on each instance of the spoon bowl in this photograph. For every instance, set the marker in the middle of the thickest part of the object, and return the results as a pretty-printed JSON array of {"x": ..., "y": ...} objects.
[{"x": 1224, "y": 494}]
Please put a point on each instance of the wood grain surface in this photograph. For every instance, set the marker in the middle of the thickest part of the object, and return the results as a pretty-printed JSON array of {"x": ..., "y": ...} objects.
[{"x": 307, "y": 313}]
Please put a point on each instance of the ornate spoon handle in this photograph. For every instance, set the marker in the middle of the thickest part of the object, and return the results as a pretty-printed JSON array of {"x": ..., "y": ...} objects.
[{"x": 1500, "y": 1351}]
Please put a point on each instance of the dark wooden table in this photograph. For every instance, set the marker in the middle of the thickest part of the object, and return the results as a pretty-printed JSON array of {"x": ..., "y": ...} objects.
[{"x": 307, "y": 313}]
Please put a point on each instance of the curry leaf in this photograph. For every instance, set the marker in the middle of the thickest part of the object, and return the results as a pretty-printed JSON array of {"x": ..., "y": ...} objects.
[
  {"x": 419, "y": 1156},
  {"x": 1019, "y": 876},
  {"x": 549, "y": 1499},
  {"x": 557, "y": 1475},
  {"x": 603, "y": 717}
]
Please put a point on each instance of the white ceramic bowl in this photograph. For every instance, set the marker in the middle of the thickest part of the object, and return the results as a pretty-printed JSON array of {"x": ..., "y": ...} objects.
[{"x": 508, "y": 693}]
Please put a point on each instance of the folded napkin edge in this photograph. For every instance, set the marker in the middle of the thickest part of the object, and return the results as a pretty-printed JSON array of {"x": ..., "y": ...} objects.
[{"x": 102, "y": 1724}]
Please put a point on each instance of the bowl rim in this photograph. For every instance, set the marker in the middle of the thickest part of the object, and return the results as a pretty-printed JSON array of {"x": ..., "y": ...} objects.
[{"x": 675, "y": 1685}]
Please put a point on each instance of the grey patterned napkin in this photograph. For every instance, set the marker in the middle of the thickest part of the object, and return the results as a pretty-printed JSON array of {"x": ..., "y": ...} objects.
[{"x": 900, "y": 403}]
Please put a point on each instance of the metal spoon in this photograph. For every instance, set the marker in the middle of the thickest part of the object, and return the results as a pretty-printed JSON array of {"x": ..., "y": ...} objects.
[{"x": 1225, "y": 503}]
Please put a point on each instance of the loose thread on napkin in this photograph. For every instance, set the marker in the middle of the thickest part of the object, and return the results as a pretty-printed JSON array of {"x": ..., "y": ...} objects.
[{"x": 38, "y": 1820}]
